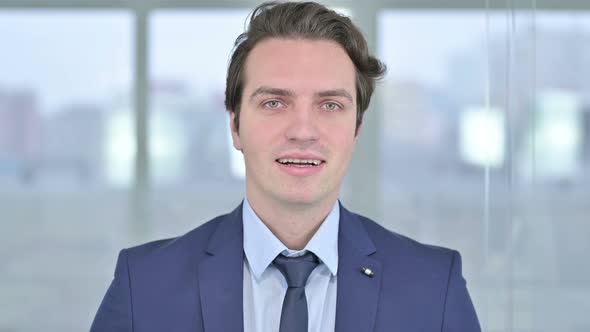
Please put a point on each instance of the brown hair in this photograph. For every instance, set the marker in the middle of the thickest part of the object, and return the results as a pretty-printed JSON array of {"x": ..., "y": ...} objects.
[{"x": 309, "y": 20}]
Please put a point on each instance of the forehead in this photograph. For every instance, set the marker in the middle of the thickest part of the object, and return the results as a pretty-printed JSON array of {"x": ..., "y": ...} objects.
[{"x": 299, "y": 64}]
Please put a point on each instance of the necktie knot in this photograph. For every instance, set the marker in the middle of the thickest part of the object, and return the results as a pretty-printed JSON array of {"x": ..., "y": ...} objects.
[{"x": 296, "y": 270}]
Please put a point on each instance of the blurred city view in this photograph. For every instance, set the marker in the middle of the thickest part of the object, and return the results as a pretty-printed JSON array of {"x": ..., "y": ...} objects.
[
  {"x": 495, "y": 164},
  {"x": 484, "y": 146}
]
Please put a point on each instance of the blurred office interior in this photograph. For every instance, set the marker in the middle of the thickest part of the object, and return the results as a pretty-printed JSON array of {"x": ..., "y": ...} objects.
[{"x": 113, "y": 133}]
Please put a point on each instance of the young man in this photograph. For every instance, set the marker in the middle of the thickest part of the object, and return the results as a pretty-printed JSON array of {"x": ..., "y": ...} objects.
[{"x": 290, "y": 257}]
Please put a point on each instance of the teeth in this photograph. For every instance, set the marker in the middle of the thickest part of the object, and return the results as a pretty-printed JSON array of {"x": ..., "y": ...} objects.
[{"x": 299, "y": 161}]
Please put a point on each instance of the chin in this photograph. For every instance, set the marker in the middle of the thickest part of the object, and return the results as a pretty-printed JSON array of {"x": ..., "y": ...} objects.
[{"x": 301, "y": 198}]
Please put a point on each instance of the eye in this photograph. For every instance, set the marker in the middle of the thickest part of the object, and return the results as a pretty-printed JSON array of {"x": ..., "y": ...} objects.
[
  {"x": 330, "y": 106},
  {"x": 273, "y": 104}
]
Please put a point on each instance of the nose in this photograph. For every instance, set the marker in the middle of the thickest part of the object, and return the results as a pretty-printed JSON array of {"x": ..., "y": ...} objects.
[{"x": 302, "y": 126}]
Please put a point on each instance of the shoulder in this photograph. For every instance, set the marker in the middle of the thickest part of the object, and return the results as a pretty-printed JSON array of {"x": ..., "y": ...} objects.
[
  {"x": 426, "y": 279},
  {"x": 179, "y": 252},
  {"x": 394, "y": 247},
  {"x": 196, "y": 237}
]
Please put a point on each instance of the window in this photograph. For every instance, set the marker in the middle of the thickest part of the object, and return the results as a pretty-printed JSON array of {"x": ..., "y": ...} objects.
[
  {"x": 494, "y": 163},
  {"x": 196, "y": 172},
  {"x": 64, "y": 117}
]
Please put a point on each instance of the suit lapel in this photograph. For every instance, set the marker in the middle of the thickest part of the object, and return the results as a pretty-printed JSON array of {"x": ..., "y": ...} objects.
[
  {"x": 357, "y": 293},
  {"x": 221, "y": 277}
]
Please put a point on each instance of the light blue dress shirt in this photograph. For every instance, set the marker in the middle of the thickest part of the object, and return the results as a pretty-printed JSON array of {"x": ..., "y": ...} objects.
[{"x": 264, "y": 285}]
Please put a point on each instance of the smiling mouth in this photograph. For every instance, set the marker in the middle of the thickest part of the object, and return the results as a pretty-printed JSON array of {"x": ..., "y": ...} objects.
[{"x": 300, "y": 162}]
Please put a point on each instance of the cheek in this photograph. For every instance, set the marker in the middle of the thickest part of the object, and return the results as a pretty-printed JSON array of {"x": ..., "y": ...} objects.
[
  {"x": 342, "y": 134},
  {"x": 347, "y": 146},
  {"x": 257, "y": 142}
]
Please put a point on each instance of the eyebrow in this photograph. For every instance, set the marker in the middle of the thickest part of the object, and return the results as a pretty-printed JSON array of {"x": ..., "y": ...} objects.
[
  {"x": 335, "y": 93},
  {"x": 263, "y": 90}
]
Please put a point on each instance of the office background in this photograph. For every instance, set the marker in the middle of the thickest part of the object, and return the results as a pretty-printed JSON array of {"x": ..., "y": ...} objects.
[{"x": 113, "y": 133}]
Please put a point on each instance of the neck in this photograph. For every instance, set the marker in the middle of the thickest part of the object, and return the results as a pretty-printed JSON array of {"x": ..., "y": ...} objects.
[{"x": 294, "y": 224}]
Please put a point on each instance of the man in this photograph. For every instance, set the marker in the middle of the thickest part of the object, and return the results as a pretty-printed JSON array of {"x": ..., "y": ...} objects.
[{"x": 290, "y": 257}]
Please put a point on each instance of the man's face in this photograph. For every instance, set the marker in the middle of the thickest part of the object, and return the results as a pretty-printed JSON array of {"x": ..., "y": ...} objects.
[{"x": 297, "y": 120}]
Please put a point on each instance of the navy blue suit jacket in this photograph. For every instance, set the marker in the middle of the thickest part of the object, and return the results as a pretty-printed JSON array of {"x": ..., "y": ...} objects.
[{"x": 194, "y": 283}]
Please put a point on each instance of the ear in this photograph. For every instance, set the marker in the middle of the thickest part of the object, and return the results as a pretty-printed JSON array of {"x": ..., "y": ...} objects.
[{"x": 234, "y": 131}]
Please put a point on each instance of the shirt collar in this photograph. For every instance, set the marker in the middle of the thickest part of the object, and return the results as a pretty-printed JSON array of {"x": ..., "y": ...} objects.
[{"x": 261, "y": 246}]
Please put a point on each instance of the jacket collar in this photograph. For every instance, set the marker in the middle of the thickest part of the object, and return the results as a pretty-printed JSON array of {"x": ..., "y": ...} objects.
[
  {"x": 220, "y": 276},
  {"x": 359, "y": 276}
]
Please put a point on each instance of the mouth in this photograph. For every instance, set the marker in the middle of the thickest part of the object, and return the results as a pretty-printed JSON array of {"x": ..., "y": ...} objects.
[{"x": 296, "y": 162}]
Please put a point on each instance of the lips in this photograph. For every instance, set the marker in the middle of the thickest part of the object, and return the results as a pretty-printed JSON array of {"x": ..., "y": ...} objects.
[
  {"x": 301, "y": 164},
  {"x": 301, "y": 159}
]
